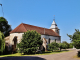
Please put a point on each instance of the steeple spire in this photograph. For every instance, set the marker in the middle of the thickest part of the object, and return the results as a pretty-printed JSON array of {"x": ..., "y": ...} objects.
[
  {"x": 54, "y": 26},
  {"x": 54, "y": 18}
]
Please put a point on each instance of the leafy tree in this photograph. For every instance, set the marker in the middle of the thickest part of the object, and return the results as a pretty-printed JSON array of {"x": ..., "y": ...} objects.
[
  {"x": 62, "y": 46},
  {"x": 2, "y": 43},
  {"x": 67, "y": 44},
  {"x": 53, "y": 46},
  {"x": 70, "y": 45},
  {"x": 4, "y": 26},
  {"x": 30, "y": 42},
  {"x": 75, "y": 38}
]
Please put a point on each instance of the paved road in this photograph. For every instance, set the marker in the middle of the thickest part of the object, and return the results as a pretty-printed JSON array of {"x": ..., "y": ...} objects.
[{"x": 59, "y": 56}]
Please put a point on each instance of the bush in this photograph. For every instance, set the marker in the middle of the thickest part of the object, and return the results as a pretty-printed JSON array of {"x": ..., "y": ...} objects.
[
  {"x": 53, "y": 46},
  {"x": 78, "y": 54},
  {"x": 71, "y": 45},
  {"x": 77, "y": 44},
  {"x": 2, "y": 43},
  {"x": 30, "y": 42},
  {"x": 62, "y": 46},
  {"x": 67, "y": 44}
]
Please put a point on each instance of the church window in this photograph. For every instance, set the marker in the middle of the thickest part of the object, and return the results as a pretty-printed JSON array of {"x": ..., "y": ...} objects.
[
  {"x": 55, "y": 40},
  {"x": 49, "y": 41}
]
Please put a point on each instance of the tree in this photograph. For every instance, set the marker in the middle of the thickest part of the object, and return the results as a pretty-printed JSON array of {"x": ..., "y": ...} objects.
[
  {"x": 67, "y": 44},
  {"x": 62, "y": 46},
  {"x": 70, "y": 45},
  {"x": 53, "y": 46},
  {"x": 5, "y": 28},
  {"x": 75, "y": 38},
  {"x": 2, "y": 43},
  {"x": 30, "y": 42}
]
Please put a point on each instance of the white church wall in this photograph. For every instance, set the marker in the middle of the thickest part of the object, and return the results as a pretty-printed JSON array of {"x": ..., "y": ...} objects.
[
  {"x": 19, "y": 37},
  {"x": 52, "y": 38},
  {"x": 56, "y": 30}
]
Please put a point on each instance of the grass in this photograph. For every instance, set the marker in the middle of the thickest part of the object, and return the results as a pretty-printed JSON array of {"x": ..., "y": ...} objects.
[
  {"x": 50, "y": 52},
  {"x": 43, "y": 53}
]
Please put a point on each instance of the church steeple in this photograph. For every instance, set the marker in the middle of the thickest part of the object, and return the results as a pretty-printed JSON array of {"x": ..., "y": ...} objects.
[{"x": 54, "y": 27}]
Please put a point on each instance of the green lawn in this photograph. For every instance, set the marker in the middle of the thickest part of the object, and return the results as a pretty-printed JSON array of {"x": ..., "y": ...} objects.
[{"x": 43, "y": 53}]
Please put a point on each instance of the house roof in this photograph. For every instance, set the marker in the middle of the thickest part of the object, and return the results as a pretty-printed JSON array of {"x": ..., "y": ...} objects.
[{"x": 24, "y": 27}]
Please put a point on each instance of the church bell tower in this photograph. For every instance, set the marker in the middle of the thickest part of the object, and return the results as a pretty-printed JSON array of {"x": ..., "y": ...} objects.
[{"x": 54, "y": 27}]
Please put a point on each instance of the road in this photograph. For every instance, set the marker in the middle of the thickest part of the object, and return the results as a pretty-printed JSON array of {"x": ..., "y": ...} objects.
[
  {"x": 58, "y": 56},
  {"x": 61, "y": 56}
]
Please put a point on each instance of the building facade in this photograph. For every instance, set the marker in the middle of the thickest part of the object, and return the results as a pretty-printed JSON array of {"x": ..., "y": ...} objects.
[{"x": 47, "y": 35}]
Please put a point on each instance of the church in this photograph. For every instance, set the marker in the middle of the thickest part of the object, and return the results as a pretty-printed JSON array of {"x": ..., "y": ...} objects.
[{"x": 47, "y": 35}]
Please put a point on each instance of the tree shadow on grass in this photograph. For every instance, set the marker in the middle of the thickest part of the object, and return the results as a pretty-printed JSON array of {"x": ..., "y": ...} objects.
[
  {"x": 56, "y": 51},
  {"x": 22, "y": 58},
  {"x": 46, "y": 52},
  {"x": 61, "y": 51}
]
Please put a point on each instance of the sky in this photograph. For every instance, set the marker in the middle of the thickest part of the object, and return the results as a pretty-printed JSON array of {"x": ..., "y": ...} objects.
[{"x": 41, "y": 13}]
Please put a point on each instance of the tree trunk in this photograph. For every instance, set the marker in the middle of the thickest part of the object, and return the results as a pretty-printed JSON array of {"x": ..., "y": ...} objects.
[{"x": 60, "y": 49}]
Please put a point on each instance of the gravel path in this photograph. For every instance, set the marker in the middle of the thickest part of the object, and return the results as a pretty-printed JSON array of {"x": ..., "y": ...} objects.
[{"x": 58, "y": 56}]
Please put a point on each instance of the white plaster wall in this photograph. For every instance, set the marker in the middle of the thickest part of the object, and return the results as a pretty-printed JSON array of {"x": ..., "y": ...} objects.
[
  {"x": 19, "y": 37},
  {"x": 52, "y": 38},
  {"x": 54, "y": 30}
]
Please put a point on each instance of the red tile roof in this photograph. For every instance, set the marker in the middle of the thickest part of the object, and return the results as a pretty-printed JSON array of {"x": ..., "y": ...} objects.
[{"x": 24, "y": 27}]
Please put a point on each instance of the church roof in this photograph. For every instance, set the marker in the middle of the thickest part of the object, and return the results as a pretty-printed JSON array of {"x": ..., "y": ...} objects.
[{"x": 24, "y": 27}]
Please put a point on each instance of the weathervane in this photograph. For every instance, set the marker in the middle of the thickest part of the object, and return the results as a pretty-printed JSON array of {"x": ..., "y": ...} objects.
[
  {"x": 54, "y": 18},
  {"x": 1, "y": 4},
  {"x": 2, "y": 10}
]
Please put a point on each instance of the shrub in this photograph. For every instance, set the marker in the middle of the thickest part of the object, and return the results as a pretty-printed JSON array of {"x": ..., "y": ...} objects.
[
  {"x": 67, "y": 44},
  {"x": 71, "y": 45},
  {"x": 30, "y": 42},
  {"x": 2, "y": 43},
  {"x": 78, "y": 54},
  {"x": 53, "y": 46},
  {"x": 62, "y": 46}
]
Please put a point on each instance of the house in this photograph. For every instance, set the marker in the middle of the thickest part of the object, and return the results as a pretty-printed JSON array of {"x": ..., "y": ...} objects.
[{"x": 47, "y": 35}]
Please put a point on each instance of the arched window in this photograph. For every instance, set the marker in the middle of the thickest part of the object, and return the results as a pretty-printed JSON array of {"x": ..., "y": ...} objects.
[
  {"x": 49, "y": 41},
  {"x": 15, "y": 40},
  {"x": 15, "y": 43},
  {"x": 55, "y": 40}
]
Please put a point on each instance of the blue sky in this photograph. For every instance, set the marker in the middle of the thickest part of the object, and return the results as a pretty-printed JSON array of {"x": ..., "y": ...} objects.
[{"x": 41, "y": 13}]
